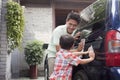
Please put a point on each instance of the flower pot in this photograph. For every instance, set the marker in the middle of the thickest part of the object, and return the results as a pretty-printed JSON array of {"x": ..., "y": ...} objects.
[{"x": 33, "y": 72}]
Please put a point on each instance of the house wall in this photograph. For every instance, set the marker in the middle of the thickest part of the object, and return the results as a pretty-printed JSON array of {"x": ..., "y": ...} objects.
[
  {"x": 5, "y": 58},
  {"x": 38, "y": 25}
]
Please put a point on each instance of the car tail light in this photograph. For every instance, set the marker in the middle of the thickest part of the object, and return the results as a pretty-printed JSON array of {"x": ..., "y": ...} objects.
[{"x": 112, "y": 45}]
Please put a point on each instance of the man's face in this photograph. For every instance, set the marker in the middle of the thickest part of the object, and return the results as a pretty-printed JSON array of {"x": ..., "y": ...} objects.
[{"x": 71, "y": 25}]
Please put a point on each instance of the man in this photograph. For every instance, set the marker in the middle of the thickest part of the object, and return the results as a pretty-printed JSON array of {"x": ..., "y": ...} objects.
[{"x": 72, "y": 21}]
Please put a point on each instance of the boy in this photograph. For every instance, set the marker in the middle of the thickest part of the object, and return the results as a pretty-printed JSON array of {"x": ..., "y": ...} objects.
[{"x": 66, "y": 58}]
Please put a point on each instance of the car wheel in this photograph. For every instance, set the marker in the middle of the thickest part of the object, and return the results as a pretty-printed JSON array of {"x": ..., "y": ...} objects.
[
  {"x": 46, "y": 70},
  {"x": 80, "y": 75}
]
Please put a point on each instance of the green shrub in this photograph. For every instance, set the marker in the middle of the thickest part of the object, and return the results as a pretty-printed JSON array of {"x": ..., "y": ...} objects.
[{"x": 34, "y": 53}]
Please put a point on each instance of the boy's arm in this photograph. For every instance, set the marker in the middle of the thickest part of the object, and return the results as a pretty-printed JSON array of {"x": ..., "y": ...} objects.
[
  {"x": 85, "y": 61},
  {"x": 91, "y": 57},
  {"x": 80, "y": 47},
  {"x": 80, "y": 53},
  {"x": 57, "y": 47}
]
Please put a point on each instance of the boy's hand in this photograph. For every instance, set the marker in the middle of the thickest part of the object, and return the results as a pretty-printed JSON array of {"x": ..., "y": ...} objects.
[
  {"x": 80, "y": 46},
  {"x": 91, "y": 53}
]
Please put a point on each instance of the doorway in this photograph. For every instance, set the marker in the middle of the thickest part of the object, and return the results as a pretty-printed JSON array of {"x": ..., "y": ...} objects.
[{"x": 60, "y": 16}]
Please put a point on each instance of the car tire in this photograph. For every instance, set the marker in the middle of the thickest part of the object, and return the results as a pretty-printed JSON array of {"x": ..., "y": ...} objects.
[
  {"x": 80, "y": 75},
  {"x": 46, "y": 70}
]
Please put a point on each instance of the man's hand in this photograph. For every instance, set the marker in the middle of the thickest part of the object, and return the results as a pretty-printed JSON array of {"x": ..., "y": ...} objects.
[{"x": 77, "y": 35}]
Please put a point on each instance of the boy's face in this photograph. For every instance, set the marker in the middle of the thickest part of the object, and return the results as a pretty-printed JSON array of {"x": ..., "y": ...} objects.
[{"x": 71, "y": 25}]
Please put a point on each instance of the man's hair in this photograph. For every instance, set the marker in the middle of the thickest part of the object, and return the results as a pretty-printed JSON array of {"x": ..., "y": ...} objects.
[
  {"x": 73, "y": 15},
  {"x": 66, "y": 41}
]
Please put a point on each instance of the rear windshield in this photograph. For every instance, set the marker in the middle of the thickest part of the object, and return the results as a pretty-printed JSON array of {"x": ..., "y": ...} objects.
[
  {"x": 93, "y": 13},
  {"x": 93, "y": 32}
]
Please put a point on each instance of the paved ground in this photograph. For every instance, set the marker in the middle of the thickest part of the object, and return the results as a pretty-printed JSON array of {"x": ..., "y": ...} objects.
[{"x": 27, "y": 78}]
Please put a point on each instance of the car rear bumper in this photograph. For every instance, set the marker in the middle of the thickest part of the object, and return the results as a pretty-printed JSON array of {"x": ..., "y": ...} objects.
[{"x": 115, "y": 73}]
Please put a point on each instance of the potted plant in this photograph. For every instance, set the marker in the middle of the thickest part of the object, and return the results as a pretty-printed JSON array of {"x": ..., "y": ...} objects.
[{"x": 34, "y": 56}]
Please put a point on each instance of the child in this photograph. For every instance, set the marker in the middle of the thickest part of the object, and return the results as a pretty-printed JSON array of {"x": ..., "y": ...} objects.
[{"x": 65, "y": 59}]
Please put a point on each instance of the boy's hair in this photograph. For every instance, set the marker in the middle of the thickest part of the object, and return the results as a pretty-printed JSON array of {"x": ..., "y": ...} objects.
[
  {"x": 73, "y": 15},
  {"x": 66, "y": 41}
]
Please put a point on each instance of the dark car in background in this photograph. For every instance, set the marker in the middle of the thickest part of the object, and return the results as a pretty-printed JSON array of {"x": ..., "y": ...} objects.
[{"x": 100, "y": 27}]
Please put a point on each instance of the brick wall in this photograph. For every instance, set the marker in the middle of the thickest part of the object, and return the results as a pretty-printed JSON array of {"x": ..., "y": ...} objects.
[
  {"x": 5, "y": 60},
  {"x": 38, "y": 23}
]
